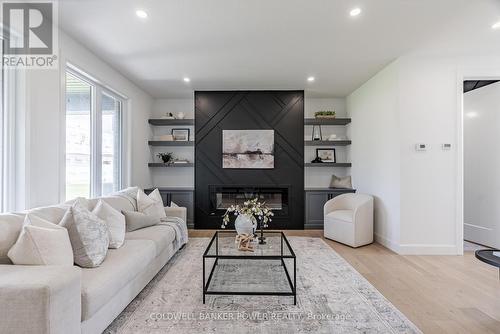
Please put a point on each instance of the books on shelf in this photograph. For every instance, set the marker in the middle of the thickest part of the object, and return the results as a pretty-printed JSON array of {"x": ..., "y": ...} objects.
[{"x": 178, "y": 162}]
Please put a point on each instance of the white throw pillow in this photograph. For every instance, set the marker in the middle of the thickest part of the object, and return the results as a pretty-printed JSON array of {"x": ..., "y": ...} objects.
[
  {"x": 137, "y": 220},
  {"x": 41, "y": 243},
  {"x": 151, "y": 205},
  {"x": 115, "y": 222},
  {"x": 89, "y": 236}
]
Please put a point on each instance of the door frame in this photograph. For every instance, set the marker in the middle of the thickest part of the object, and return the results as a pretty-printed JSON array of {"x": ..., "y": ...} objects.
[{"x": 463, "y": 75}]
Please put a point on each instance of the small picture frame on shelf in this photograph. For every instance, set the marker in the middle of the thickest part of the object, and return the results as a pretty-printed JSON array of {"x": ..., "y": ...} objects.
[
  {"x": 326, "y": 154},
  {"x": 180, "y": 134}
]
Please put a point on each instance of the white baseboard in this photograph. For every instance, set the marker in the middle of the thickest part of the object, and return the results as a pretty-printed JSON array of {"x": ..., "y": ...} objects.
[
  {"x": 387, "y": 243},
  {"x": 417, "y": 249},
  {"x": 423, "y": 249}
]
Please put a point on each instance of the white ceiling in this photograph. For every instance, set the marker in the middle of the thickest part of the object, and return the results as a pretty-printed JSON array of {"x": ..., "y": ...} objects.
[{"x": 252, "y": 44}]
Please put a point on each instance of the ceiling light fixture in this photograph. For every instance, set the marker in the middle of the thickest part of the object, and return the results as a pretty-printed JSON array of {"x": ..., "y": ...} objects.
[
  {"x": 355, "y": 12},
  {"x": 310, "y": 79},
  {"x": 186, "y": 79},
  {"x": 472, "y": 114},
  {"x": 496, "y": 25},
  {"x": 141, "y": 14}
]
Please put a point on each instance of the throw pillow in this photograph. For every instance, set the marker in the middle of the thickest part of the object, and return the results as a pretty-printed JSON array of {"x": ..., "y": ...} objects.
[
  {"x": 137, "y": 220},
  {"x": 115, "y": 222},
  {"x": 89, "y": 236},
  {"x": 173, "y": 204},
  {"x": 341, "y": 182},
  {"x": 41, "y": 243},
  {"x": 151, "y": 205}
]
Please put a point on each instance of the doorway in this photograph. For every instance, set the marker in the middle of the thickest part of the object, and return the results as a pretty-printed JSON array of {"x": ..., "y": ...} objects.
[{"x": 481, "y": 169}]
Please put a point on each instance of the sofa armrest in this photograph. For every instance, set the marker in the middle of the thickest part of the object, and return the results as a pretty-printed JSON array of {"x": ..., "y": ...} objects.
[
  {"x": 40, "y": 299},
  {"x": 177, "y": 211}
]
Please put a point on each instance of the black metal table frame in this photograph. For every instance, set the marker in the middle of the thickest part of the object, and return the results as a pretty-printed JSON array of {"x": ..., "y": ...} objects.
[{"x": 293, "y": 285}]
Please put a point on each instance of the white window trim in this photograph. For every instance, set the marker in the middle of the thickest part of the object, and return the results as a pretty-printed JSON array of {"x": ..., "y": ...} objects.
[{"x": 99, "y": 87}]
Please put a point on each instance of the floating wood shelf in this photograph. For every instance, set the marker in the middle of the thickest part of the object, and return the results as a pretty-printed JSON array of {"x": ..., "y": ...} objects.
[
  {"x": 327, "y": 142},
  {"x": 328, "y": 164},
  {"x": 170, "y": 143},
  {"x": 327, "y": 121},
  {"x": 170, "y": 122},
  {"x": 161, "y": 164}
]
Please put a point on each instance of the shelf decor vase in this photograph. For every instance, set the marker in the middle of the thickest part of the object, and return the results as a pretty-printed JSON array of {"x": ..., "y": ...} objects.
[{"x": 245, "y": 224}]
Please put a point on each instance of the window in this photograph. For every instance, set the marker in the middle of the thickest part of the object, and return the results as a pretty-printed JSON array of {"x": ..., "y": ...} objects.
[{"x": 93, "y": 138}]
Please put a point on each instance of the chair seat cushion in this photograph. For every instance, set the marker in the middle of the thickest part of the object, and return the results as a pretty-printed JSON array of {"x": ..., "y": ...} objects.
[
  {"x": 120, "y": 267},
  {"x": 161, "y": 235},
  {"x": 343, "y": 215}
]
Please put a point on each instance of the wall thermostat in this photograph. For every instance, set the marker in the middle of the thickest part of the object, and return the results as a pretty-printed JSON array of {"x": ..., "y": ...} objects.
[
  {"x": 446, "y": 147},
  {"x": 420, "y": 147}
]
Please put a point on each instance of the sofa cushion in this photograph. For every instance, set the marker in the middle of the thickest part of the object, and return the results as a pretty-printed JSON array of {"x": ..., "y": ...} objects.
[
  {"x": 343, "y": 215},
  {"x": 41, "y": 243},
  {"x": 161, "y": 235},
  {"x": 10, "y": 228},
  {"x": 120, "y": 267},
  {"x": 53, "y": 214}
]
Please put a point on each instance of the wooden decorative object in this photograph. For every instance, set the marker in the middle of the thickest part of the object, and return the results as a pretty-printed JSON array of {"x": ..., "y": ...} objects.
[{"x": 244, "y": 242}]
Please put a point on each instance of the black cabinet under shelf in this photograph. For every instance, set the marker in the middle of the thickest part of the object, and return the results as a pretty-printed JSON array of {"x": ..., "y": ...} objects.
[
  {"x": 315, "y": 201},
  {"x": 183, "y": 197}
]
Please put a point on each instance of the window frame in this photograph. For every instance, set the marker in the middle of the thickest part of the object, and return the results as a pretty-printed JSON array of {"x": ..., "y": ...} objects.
[{"x": 97, "y": 91}]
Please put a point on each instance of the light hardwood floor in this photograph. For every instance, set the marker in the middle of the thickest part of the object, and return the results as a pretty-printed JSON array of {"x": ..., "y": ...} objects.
[{"x": 440, "y": 294}]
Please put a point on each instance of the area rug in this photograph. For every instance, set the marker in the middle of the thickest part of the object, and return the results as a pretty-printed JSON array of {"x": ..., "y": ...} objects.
[{"x": 332, "y": 297}]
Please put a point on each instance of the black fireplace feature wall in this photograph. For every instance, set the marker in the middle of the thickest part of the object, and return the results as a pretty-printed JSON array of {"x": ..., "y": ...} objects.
[{"x": 281, "y": 187}]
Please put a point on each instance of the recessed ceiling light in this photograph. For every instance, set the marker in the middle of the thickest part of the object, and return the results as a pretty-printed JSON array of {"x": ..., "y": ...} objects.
[
  {"x": 141, "y": 13},
  {"x": 186, "y": 79},
  {"x": 496, "y": 25},
  {"x": 472, "y": 114},
  {"x": 355, "y": 11},
  {"x": 310, "y": 79}
]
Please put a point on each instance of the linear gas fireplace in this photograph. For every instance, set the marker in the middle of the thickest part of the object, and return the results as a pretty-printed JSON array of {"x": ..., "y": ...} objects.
[{"x": 275, "y": 197}]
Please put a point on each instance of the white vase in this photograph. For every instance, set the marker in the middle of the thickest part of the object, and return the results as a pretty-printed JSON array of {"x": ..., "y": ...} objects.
[{"x": 245, "y": 224}]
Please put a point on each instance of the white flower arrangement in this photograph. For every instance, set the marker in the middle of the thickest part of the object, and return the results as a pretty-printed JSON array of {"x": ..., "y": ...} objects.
[{"x": 252, "y": 207}]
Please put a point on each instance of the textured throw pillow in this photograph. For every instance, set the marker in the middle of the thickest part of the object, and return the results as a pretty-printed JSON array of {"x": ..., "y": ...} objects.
[
  {"x": 41, "y": 243},
  {"x": 151, "y": 205},
  {"x": 137, "y": 220},
  {"x": 115, "y": 222},
  {"x": 173, "y": 205},
  {"x": 89, "y": 236},
  {"x": 341, "y": 182}
]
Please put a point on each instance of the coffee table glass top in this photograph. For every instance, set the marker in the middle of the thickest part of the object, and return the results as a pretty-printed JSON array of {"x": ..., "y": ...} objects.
[{"x": 223, "y": 245}]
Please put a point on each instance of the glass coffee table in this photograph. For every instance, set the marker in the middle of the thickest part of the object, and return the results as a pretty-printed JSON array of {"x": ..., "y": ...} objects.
[{"x": 270, "y": 270}]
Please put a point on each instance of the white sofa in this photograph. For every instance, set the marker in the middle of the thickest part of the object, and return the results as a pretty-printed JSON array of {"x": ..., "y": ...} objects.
[
  {"x": 348, "y": 218},
  {"x": 70, "y": 299}
]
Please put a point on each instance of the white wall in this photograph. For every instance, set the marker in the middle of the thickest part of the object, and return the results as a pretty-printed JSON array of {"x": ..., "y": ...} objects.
[
  {"x": 375, "y": 151},
  {"x": 44, "y": 124},
  {"x": 481, "y": 165},
  {"x": 428, "y": 94}
]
